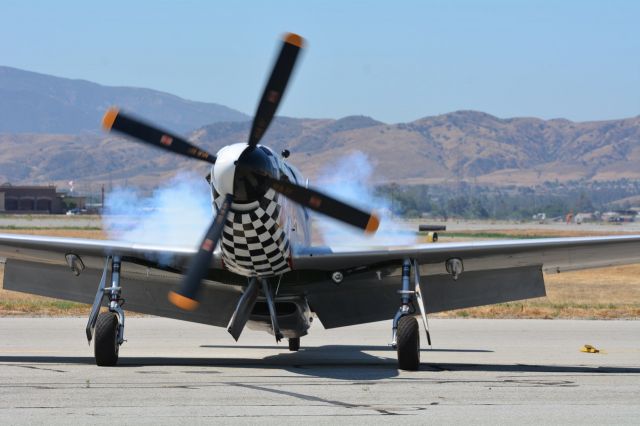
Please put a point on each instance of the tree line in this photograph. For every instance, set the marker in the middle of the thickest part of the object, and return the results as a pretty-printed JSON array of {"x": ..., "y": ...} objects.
[{"x": 471, "y": 201}]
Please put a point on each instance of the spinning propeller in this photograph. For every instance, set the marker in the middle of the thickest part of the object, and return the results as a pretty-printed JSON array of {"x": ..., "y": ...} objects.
[{"x": 253, "y": 174}]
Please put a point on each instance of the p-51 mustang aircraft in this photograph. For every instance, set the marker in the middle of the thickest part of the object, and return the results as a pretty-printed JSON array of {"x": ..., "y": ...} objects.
[{"x": 256, "y": 265}]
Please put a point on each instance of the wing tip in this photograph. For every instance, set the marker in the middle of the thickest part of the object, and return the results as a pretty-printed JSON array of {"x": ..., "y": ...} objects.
[
  {"x": 109, "y": 118},
  {"x": 294, "y": 39},
  {"x": 182, "y": 302}
]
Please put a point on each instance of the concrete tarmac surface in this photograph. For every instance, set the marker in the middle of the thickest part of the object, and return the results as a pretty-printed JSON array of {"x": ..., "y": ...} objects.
[{"x": 478, "y": 372}]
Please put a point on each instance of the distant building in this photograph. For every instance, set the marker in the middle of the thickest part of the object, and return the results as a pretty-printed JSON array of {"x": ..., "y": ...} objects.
[
  {"x": 30, "y": 200},
  {"x": 540, "y": 217},
  {"x": 620, "y": 216},
  {"x": 586, "y": 217}
]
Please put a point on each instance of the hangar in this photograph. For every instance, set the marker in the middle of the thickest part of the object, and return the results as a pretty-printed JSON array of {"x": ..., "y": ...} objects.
[{"x": 30, "y": 199}]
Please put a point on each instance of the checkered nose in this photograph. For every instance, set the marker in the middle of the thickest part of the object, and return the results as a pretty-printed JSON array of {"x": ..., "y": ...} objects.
[{"x": 254, "y": 166}]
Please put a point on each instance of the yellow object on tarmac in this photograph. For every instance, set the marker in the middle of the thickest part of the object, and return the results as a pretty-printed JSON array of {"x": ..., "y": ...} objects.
[{"x": 589, "y": 349}]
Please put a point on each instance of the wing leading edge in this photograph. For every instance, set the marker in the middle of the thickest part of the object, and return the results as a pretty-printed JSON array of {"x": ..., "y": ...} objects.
[
  {"x": 553, "y": 254},
  {"x": 52, "y": 250}
]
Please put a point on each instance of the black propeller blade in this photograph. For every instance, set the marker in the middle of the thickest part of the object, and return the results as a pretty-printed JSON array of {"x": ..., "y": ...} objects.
[
  {"x": 116, "y": 120},
  {"x": 275, "y": 87},
  {"x": 325, "y": 204},
  {"x": 185, "y": 298}
]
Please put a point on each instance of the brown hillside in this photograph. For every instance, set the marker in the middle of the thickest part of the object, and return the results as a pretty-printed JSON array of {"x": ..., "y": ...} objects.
[{"x": 463, "y": 145}]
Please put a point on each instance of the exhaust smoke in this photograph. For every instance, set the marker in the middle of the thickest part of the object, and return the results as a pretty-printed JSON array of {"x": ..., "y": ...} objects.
[
  {"x": 176, "y": 214},
  {"x": 350, "y": 179}
]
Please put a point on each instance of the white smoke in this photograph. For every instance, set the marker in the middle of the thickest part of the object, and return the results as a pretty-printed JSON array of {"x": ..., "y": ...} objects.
[
  {"x": 177, "y": 214},
  {"x": 350, "y": 179}
]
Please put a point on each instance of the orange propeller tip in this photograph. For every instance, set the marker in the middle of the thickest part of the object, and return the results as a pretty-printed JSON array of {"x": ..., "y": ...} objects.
[
  {"x": 182, "y": 302},
  {"x": 294, "y": 39},
  {"x": 372, "y": 225},
  {"x": 109, "y": 118}
]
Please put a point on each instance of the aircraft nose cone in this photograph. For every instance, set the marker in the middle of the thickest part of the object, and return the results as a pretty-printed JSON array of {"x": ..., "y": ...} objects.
[
  {"x": 225, "y": 167},
  {"x": 253, "y": 163}
]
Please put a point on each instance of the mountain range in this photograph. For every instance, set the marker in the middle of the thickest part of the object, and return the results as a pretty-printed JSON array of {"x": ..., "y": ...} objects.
[
  {"x": 37, "y": 103},
  {"x": 48, "y": 135}
]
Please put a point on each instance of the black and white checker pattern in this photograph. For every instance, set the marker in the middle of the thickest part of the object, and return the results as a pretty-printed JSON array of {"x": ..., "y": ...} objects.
[{"x": 253, "y": 243}]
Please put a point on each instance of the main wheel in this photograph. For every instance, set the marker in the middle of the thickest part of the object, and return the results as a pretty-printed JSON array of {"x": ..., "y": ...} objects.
[
  {"x": 408, "y": 343},
  {"x": 294, "y": 344},
  {"x": 106, "y": 343}
]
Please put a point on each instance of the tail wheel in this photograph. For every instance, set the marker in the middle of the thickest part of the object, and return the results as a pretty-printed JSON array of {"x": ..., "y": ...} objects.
[
  {"x": 106, "y": 346},
  {"x": 408, "y": 343},
  {"x": 294, "y": 344}
]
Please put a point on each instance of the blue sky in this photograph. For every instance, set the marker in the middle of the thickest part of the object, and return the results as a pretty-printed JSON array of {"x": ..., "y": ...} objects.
[{"x": 392, "y": 60}]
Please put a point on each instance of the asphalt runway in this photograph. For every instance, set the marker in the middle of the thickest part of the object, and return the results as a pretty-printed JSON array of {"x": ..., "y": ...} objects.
[{"x": 478, "y": 372}]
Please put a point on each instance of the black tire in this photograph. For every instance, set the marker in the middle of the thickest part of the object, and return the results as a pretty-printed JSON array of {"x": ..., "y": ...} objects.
[
  {"x": 294, "y": 344},
  {"x": 408, "y": 343},
  {"x": 106, "y": 346}
]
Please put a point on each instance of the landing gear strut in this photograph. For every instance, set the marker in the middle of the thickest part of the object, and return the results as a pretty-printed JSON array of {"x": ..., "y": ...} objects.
[
  {"x": 266, "y": 289},
  {"x": 406, "y": 333},
  {"x": 108, "y": 326}
]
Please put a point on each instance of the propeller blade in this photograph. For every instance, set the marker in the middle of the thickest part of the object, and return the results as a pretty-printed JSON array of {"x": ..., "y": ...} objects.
[
  {"x": 116, "y": 120},
  {"x": 325, "y": 204},
  {"x": 185, "y": 298},
  {"x": 275, "y": 87}
]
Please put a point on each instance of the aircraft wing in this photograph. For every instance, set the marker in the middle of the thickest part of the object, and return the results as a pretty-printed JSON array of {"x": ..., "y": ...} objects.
[
  {"x": 494, "y": 272},
  {"x": 557, "y": 254},
  {"x": 38, "y": 265}
]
